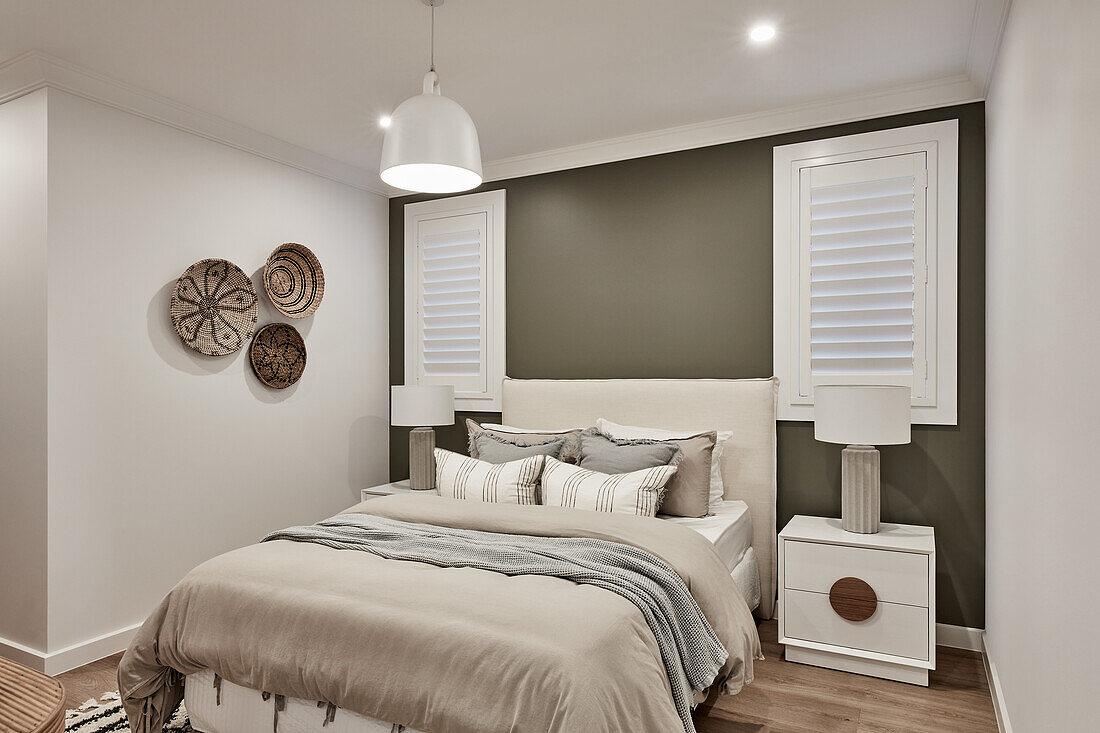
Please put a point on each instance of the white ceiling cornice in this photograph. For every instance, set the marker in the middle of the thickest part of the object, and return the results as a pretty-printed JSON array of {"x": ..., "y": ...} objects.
[
  {"x": 971, "y": 86},
  {"x": 990, "y": 17},
  {"x": 942, "y": 93},
  {"x": 21, "y": 75},
  {"x": 34, "y": 70}
]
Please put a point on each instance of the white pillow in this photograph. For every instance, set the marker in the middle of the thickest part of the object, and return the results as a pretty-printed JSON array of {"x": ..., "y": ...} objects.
[
  {"x": 632, "y": 432},
  {"x": 461, "y": 477},
  {"x": 510, "y": 429},
  {"x": 638, "y": 492}
]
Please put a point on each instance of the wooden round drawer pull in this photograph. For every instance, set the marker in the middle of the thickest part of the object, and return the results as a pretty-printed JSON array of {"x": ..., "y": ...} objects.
[{"x": 853, "y": 599}]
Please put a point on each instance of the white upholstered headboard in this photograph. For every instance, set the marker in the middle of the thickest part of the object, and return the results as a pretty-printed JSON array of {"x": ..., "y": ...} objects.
[{"x": 746, "y": 407}]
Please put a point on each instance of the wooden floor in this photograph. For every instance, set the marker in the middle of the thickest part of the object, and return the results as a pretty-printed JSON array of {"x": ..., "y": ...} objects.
[
  {"x": 91, "y": 680},
  {"x": 784, "y": 698},
  {"x": 796, "y": 698}
]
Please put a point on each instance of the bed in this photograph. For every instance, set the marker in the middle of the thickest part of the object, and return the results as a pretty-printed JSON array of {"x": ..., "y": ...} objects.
[
  {"x": 746, "y": 407},
  {"x": 729, "y": 529},
  {"x": 739, "y": 542}
]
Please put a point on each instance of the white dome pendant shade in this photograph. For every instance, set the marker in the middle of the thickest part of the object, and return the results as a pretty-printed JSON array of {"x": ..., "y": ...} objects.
[{"x": 431, "y": 144}]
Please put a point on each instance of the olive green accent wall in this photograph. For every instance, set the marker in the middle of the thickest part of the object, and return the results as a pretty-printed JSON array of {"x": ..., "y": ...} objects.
[{"x": 662, "y": 267}]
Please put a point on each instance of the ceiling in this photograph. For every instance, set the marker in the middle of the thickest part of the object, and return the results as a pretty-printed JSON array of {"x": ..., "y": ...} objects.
[{"x": 535, "y": 76}]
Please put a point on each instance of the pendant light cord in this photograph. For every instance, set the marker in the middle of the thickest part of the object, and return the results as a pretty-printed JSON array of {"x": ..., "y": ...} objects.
[{"x": 431, "y": 36}]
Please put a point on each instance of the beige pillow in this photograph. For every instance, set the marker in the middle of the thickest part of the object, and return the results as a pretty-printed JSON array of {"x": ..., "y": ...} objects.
[
  {"x": 569, "y": 452},
  {"x": 461, "y": 477},
  {"x": 688, "y": 492},
  {"x": 638, "y": 492}
]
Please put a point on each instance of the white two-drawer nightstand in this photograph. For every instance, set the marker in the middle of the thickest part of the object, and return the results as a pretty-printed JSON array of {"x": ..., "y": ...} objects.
[
  {"x": 397, "y": 487},
  {"x": 863, "y": 603}
]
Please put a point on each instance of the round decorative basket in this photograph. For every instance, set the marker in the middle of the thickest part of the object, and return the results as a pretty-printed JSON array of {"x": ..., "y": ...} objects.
[
  {"x": 278, "y": 355},
  {"x": 294, "y": 280},
  {"x": 214, "y": 307}
]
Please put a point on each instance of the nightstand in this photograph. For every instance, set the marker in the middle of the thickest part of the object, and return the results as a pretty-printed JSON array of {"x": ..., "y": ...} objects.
[
  {"x": 863, "y": 603},
  {"x": 397, "y": 487}
]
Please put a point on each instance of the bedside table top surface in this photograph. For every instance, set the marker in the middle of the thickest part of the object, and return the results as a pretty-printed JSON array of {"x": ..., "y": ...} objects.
[
  {"x": 397, "y": 487},
  {"x": 907, "y": 537}
]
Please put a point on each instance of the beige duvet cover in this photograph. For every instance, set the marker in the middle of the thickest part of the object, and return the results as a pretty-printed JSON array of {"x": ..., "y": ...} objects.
[{"x": 436, "y": 649}]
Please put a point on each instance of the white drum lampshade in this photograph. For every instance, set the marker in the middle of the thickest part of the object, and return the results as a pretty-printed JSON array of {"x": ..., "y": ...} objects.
[
  {"x": 861, "y": 414},
  {"x": 861, "y": 417},
  {"x": 422, "y": 405},
  {"x": 431, "y": 145}
]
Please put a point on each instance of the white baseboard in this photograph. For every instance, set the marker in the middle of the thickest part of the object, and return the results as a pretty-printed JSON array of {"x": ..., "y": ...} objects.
[
  {"x": 70, "y": 657},
  {"x": 21, "y": 653},
  {"x": 80, "y": 654},
  {"x": 995, "y": 688},
  {"x": 959, "y": 637}
]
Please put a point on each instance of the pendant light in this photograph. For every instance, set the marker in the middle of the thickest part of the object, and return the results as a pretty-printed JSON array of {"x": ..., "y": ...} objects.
[{"x": 431, "y": 143}]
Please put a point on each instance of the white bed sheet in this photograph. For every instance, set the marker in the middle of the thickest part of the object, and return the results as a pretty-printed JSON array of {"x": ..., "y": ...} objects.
[{"x": 729, "y": 529}]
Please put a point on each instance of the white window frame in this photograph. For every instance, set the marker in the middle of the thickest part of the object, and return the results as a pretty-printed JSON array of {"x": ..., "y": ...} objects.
[
  {"x": 940, "y": 142},
  {"x": 491, "y": 204}
]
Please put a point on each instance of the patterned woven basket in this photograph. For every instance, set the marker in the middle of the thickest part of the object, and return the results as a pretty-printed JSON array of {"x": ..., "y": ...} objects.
[
  {"x": 294, "y": 280},
  {"x": 32, "y": 702},
  {"x": 278, "y": 355},
  {"x": 214, "y": 307}
]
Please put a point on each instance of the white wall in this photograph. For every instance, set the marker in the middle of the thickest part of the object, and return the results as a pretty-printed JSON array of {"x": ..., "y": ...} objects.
[
  {"x": 159, "y": 457},
  {"x": 1043, "y": 490},
  {"x": 23, "y": 371}
]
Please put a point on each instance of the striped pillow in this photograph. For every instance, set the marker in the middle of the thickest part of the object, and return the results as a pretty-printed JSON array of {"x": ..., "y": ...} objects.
[
  {"x": 461, "y": 477},
  {"x": 637, "y": 492}
]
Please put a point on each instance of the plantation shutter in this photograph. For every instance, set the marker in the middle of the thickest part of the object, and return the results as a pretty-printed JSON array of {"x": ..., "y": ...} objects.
[
  {"x": 451, "y": 301},
  {"x": 863, "y": 272},
  {"x": 454, "y": 296}
]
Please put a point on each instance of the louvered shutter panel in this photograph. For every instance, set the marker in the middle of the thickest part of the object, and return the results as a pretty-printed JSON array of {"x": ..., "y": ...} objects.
[
  {"x": 862, "y": 245},
  {"x": 451, "y": 301}
]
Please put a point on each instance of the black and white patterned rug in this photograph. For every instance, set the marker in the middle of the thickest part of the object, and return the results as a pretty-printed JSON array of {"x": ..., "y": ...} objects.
[{"x": 106, "y": 715}]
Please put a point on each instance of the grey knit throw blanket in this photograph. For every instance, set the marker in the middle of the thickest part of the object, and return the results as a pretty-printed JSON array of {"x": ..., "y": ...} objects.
[{"x": 691, "y": 652}]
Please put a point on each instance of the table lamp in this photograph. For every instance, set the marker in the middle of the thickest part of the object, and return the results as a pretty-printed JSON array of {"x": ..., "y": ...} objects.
[
  {"x": 420, "y": 406},
  {"x": 861, "y": 417}
]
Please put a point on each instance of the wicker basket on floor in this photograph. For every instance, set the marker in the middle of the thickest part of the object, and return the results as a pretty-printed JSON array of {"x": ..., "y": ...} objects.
[{"x": 31, "y": 701}]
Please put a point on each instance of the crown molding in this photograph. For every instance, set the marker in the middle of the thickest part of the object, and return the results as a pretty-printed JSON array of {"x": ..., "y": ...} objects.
[
  {"x": 986, "y": 31},
  {"x": 21, "y": 75},
  {"x": 35, "y": 70},
  {"x": 899, "y": 100}
]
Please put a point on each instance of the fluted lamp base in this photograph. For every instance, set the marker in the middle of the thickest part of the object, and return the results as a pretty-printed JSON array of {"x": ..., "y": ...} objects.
[
  {"x": 859, "y": 489},
  {"x": 422, "y": 459}
]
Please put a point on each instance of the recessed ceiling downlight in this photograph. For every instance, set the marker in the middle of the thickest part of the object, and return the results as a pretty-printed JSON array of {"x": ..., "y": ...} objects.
[
  {"x": 385, "y": 121},
  {"x": 762, "y": 33}
]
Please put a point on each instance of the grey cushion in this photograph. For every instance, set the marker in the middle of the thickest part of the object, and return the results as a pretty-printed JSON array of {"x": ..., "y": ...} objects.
[
  {"x": 569, "y": 451},
  {"x": 492, "y": 449},
  {"x": 600, "y": 453}
]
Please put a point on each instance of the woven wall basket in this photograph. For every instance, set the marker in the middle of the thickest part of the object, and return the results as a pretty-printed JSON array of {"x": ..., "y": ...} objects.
[
  {"x": 214, "y": 307},
  {"x": 294, "y": 280},
  {"x": 278, "y": 355}
]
